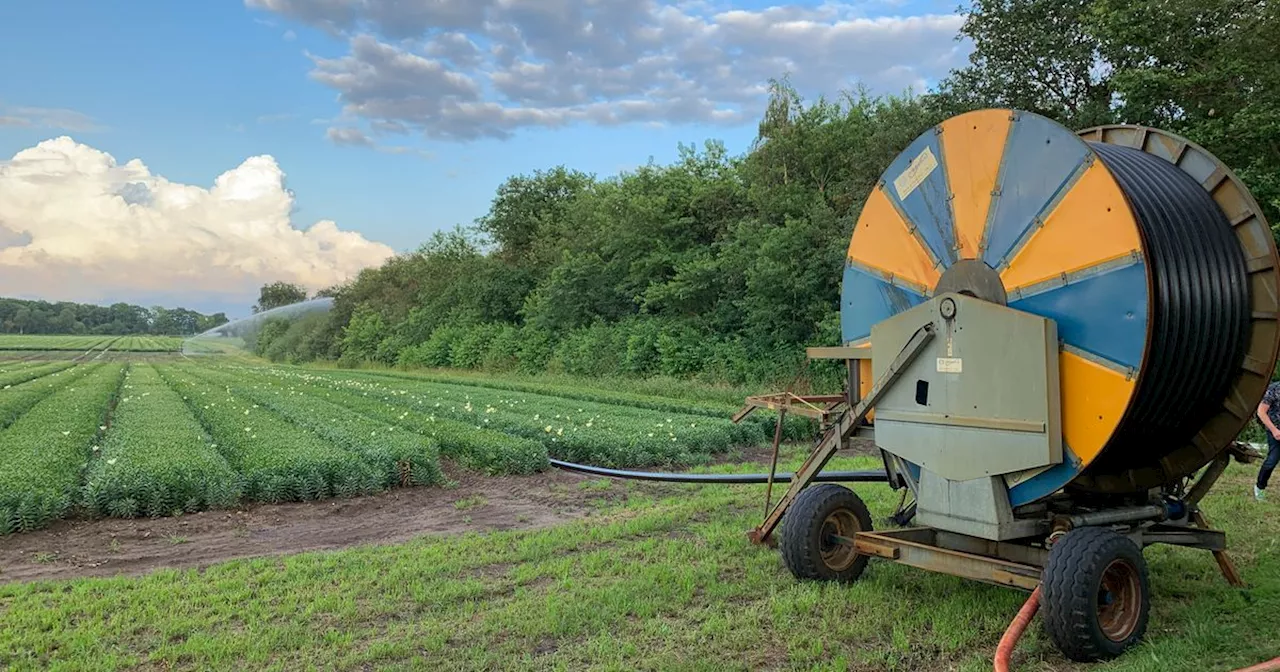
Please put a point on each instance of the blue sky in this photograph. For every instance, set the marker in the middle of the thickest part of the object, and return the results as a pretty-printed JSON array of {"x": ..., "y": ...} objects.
[{"x": 193, "y": 89}]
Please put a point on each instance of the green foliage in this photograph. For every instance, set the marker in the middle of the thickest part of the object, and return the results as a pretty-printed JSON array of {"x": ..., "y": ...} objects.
[
  {"x": 16, "y": 374},
  {"x": 399, "y": 457},
  {"x": 156, "y": 459},
  {"x": 474, "y": 446},
  {"x": 572, "y": 430},
  {"x": 295, "y": 340},
  {"x": 41, "y": 317},
  {"x": 279, "y": 294},
  {"x": 47, "y": 448},
  {"x": 363, "y": 334},
  {"x": 595, "y": 350},
  {"x": 18, "y": 399},
  {"x": 278, "y": 461}
]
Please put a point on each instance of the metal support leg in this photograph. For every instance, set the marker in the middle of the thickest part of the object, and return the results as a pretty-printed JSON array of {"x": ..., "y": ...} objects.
[
  {"x": 835, "y": 436},
  {"x": 773, "y": 464},
  {"x": 1225, "y": 564}
]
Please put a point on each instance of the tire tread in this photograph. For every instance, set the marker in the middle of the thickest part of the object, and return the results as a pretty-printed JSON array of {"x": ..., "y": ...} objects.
[
  {"x": 1076, "y": 563},
  {"x": 803, "y": 522}
]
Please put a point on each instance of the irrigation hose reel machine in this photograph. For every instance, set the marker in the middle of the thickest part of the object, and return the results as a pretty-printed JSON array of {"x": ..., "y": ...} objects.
[{"x": 1054, "y": 339}]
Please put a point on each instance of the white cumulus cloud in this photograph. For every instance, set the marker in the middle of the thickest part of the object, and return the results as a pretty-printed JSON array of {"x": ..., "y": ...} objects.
[{"x": 77, "y": 225}]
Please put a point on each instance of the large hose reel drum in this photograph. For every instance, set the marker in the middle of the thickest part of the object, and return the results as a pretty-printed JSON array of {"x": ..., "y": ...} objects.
[{"x": 1149, "y": 254}]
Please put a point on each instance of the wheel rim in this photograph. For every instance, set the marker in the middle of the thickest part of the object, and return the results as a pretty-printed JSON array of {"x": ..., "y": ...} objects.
[
  {"x": 1119, "y": 600},
  {"x": 837, "y": 555}
]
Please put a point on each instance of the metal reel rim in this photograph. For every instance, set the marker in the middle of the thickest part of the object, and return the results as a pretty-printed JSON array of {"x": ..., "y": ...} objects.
[
  {"x": 1118, "y": 616},
  {"x": 1251, "y": 229}
]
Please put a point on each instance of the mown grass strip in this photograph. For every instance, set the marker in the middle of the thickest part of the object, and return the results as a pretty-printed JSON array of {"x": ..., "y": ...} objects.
[
  {"x": 156, "y": 459},
  {"x": 401, "y": 457},
  {"x": 43, "y": 454},
  {"x": 278, "y": 461}
]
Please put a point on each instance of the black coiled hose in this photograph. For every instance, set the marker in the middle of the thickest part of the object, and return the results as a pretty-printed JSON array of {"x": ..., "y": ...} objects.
[{"x": 1198, "y": 309}]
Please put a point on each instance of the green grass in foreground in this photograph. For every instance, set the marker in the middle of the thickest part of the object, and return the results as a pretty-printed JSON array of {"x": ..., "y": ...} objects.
[{"x": 666, "y": 581}]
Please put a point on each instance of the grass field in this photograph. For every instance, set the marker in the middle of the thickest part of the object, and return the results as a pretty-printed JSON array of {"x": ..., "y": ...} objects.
[
  {"x": 54, "y": 342},
  {"x": 660, "y": 578},
  {"x": 644, "y": 576}
]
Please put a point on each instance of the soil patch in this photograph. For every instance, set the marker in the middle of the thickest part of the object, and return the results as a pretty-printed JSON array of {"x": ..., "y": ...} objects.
[{"x": 75, "y": 548}]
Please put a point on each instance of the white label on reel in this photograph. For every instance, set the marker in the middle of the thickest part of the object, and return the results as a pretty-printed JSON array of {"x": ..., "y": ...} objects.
[
  {"x": 916, "y": 172},
  {"x": 950, "y": 364}
]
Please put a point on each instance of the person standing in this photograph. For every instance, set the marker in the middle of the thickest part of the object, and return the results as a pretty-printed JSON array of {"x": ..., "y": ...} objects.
[{"x": 1269, "y": 415}]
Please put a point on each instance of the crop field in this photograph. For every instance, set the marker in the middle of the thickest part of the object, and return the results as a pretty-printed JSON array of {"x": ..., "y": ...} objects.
[
  {"x": 55, "y": 343},
  {"x": 167, "y": 465},
  {"x": 104, "y": 439}
]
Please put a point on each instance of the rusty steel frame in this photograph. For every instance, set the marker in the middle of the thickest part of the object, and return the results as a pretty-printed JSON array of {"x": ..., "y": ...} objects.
[
  {"x": 836, "y": 435},
  {"x": 1020, "y": 565},
  {"x": 925, "y": 548},
  {"x": 816, "y": 406}
]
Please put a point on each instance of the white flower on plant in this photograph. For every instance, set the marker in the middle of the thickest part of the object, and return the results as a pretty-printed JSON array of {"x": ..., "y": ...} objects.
[
  {"x": 547, "y": 429},
  {"x": 111, "y": 461},
  {"x": 66, "y": 433}
]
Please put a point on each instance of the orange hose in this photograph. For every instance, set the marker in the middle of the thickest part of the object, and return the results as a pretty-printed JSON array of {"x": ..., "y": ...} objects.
[
  {"x": 1028, "y": 611},
  {"x": 1272, "y": 665},
  {"x": 1015, "y": 630}
]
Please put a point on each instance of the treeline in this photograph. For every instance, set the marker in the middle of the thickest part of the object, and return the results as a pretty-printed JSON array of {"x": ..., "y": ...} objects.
[
  {"x": 725, "y": 266},
  {"x": 18, "y": 316}
]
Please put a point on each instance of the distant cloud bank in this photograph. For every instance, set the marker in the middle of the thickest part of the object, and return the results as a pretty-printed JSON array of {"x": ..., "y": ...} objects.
[{"x": 77, "y": 225}]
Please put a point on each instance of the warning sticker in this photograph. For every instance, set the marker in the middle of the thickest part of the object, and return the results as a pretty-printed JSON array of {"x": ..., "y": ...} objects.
[
  {"x": 916, "y": 172},
  {"x": 950, "y": 364}
]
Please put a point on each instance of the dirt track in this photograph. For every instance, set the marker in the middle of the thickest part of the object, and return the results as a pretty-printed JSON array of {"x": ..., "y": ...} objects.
[{"x": 73, "y": 548}]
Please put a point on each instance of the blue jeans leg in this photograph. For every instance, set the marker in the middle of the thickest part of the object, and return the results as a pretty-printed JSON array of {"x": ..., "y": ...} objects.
[{"x": 1269, "y": 464}]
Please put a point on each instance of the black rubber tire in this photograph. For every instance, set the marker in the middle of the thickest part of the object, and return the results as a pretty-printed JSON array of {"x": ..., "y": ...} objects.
[
  {"x": 1070, "y": 593},
  {"x": 802, "y": 532}
]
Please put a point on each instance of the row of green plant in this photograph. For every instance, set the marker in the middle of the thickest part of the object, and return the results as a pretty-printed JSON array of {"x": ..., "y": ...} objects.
[
  {"x": 278, "y": 461},
  {"x": 53, "y": 342},
  {"x": 148, "y": 344},
  {"x": 16, "y": 374},
  {"x": 156, "y": 460},
  {"x": 15, "y": 400},
  {"x": 475, "y": 447},
  {"x": 399, "y": 456},
  {"x": 43, "y": 453},
  {"x": 572, "y": 430},
  {"x": 794, "y": 427}
]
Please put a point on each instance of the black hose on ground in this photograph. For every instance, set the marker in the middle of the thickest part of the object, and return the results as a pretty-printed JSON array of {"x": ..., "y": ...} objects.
[{"x": 869, "y": 476}]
